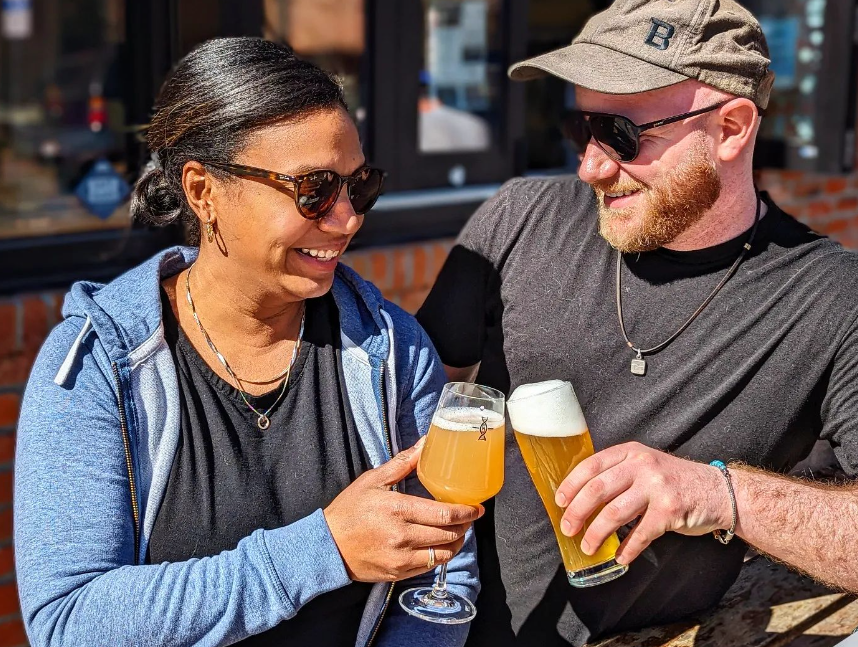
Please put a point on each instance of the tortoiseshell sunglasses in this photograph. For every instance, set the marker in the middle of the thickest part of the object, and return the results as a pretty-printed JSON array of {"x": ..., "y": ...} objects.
[{"x": 315, "y": 193}]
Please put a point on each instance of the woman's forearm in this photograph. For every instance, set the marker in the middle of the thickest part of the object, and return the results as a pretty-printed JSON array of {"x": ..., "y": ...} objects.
[{"x": 212, "y": 601}]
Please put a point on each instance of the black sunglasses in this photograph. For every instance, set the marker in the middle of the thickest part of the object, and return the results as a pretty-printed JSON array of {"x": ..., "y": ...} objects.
[
  {"x": 315, "y": 193},
  {"x": 618, "y": 136}
]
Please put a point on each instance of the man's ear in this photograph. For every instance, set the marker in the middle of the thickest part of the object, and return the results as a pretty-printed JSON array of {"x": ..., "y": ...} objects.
[{"x": 738, "y": 125}]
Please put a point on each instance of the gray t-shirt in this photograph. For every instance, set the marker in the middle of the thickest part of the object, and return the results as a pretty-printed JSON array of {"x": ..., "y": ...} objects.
[{"x": 767, "y": 368}]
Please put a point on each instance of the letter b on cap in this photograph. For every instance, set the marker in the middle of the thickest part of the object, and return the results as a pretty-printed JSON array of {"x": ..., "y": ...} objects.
[{"x": 660, "y": 34}]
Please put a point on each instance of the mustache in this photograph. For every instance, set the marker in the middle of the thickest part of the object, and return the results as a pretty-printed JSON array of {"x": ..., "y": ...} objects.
[{"x": 617, "y": 187}]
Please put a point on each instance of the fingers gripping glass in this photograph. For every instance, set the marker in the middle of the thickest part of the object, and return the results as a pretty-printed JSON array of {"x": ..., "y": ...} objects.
[
  {"x": 316, "y": 193},
  {"x": 618, "y": 136},
  {"x": 461, "y": 462}
]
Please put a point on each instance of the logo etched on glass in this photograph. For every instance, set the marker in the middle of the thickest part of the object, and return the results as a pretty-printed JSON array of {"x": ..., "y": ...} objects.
[{"x": 484, "y": 429}]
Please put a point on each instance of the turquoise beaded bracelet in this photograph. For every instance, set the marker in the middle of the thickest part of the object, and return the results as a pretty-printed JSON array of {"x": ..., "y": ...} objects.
[{"x": 724, "y": 536}]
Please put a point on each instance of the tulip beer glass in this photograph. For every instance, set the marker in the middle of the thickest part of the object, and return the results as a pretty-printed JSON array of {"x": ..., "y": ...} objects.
[{"x": 461, "y": 462}]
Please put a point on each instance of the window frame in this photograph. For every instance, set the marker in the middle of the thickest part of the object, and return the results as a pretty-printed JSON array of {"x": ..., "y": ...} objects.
[
  {"x": 419, "y": 202},
  {"x": 394, "y": 119}
]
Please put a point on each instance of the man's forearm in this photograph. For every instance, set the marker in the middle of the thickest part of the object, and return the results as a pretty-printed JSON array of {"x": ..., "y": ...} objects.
[{"x": 812, "y": 527}]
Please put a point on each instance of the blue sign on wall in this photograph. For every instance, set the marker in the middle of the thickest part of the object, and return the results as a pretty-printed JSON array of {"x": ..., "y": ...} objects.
[{"x": 102, "y": 189}]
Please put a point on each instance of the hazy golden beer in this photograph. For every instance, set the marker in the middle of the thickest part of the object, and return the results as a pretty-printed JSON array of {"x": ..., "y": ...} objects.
[
  {"x": 462, "y": 460},
  {"x": 553, "y": 437}
]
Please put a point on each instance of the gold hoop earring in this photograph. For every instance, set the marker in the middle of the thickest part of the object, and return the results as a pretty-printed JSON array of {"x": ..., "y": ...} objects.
[{"x": 210, "y": 230}]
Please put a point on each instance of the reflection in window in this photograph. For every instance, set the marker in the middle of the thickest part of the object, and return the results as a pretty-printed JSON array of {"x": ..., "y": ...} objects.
[
  {"x": 62, "y": 119},
  {"x": 330, "y": 33},
  {"x": 795, "y": 31},
  {"x": 459, "y": 85}
]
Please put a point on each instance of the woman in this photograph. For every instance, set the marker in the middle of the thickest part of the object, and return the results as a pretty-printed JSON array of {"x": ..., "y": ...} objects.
[{"x": 203, "y": 445}]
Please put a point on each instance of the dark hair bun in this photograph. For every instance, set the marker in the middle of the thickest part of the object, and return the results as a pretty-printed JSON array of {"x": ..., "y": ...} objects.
[{"x": 154, "y": 201}]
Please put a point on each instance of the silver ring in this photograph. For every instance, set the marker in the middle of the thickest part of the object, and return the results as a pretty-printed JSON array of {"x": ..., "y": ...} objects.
[{"x": 431, "y": 563}]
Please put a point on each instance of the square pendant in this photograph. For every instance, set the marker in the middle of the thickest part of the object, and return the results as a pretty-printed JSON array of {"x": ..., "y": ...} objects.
[{"x": 639, "y": 366}]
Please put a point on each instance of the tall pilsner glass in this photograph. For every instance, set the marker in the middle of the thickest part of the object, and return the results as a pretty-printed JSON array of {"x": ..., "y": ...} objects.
[
  {"x": 553, "y": 437},
  {"x": 461, "y": 462}
]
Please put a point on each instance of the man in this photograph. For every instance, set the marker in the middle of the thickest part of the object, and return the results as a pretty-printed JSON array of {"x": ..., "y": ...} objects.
[
  {"x": 695, "y": 321},
  {"x": 444, "y": 129}
]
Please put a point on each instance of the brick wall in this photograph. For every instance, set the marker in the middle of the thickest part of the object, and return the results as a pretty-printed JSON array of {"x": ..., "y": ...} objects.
[
  {"x": 404, "y": 274},
  {"x": 828, "y": 204}
]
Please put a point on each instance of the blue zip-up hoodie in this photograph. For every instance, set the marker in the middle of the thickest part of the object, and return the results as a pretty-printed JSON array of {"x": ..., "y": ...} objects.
[{"x": 97, "y": 434}]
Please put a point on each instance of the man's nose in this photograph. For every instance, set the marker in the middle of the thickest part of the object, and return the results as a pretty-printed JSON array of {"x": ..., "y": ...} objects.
[{"x": 596, "y": 166}]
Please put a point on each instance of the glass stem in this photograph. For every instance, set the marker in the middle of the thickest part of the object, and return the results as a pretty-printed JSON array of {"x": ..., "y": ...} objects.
[{"x": 439, "y": 589}]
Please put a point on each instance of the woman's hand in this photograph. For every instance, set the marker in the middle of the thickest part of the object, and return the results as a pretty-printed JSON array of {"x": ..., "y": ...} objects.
[{"x": 385, "y": 536}]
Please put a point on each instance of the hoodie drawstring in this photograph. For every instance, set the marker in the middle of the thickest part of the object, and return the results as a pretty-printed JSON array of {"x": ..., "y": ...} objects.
[{"x": 65, "y": 368}]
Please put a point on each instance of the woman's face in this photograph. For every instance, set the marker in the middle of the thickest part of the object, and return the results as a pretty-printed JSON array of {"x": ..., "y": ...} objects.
[{"x": 268, "y": 248}]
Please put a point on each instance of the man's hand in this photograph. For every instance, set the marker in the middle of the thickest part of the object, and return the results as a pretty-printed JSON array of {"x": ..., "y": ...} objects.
[
  {"x": 633, "y": 480},
  {"x": 385, "y": 536}
]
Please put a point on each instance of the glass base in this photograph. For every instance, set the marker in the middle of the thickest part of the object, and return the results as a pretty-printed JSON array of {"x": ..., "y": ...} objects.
[
  {"x": 595, "y": 575},
  {"x": 448, "y": 610}
]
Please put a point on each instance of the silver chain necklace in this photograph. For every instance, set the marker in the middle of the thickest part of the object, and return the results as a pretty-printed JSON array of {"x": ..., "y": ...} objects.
[
  {"x": 638, "y": 366},
  {"x": 263, "y": 421}
]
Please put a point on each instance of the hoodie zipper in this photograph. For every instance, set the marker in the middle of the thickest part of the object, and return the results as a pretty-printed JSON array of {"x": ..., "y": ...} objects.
[
  {"x": 393, "y": 487},
  {"x": 126, "y": 441}
]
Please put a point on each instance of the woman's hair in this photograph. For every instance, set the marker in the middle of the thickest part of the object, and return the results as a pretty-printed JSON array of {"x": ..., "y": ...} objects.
[{"x": 216, "y": 98}]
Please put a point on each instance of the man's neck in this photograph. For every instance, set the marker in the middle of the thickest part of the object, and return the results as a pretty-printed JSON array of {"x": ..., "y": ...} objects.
[{"x": 731, "y": 215}]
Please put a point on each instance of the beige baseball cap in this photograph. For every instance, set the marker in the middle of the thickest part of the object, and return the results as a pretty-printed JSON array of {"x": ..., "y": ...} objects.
[{"x": 639, "y": 45}]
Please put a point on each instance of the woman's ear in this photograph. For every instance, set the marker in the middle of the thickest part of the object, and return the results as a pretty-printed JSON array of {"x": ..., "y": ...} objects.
[{"x": 197, "y": 185}]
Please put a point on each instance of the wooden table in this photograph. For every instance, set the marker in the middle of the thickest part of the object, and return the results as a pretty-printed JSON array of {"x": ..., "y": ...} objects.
[{"x": 768, "y": 606}]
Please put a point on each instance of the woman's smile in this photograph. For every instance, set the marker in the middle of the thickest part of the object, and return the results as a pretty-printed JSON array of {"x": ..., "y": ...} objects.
[{"x": 321, "y": 256}]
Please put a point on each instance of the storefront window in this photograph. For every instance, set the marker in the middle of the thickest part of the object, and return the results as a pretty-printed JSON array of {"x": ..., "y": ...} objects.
[
  {"x": 551, "y": 24},
  {"x": 62, "y": 117},
  {"x": 810, "y": 120},
  {"x": 330, "y": 33},
  {"x": 795, "y": 31},
  {"x": 459, "y": 98}
]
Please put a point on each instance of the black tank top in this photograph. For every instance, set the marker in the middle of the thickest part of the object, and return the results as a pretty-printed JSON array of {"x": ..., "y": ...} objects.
[{"x": 229, "y": 478}]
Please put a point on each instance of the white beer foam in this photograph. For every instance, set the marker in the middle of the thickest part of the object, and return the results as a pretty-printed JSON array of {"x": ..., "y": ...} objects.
[
  {"x": 548, "y": 409},
  {"x": 466, "y": 418}
]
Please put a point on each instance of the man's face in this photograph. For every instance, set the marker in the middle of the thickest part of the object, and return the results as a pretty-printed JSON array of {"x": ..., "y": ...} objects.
[{"x": 648, "y": 202}]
